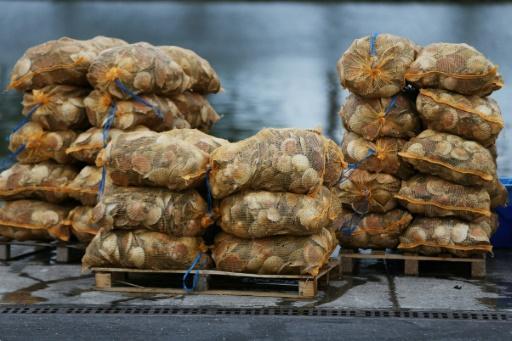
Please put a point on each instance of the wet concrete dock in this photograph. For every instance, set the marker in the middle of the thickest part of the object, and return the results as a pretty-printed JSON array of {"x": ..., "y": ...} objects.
[{"x": 377, "y": 285}]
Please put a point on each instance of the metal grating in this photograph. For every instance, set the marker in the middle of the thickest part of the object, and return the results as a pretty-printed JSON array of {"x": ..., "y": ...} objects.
[{"x": 282, "y": 311}]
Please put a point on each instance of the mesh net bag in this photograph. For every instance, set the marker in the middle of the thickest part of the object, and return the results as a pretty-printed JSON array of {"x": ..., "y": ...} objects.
[
  {"x": 154, "y": 159},
  {"x": 277, "y": 160},
  {"x": 62, "y": 61},
  {"x": 22, "y": 234},
  {"x": 33, "y": 215},
  {"x": 455, "y": 67},
  {"x": 380, "y": 156},
  {"x": 85, "y": 185},
  {"x": 380, "y": 117},
  {"x": 32, "y": 144},
  {"x": 182, "y": 214},
  {"x": 203, "y": 77},
  {"x": 47, "y": 181},
  {"x": 205, "y": 142},
  {"x": 450, "y": 157},
  {"x": 56, "y": 107},
  {"x": 264, "y": 214},
  {"x": 435, "y": 197},
  {"x": 334, "y": 163},
  {"x": 366, "y": 192},
  {"x": 375, "y": 66},
  {"x": 79, "y": 219},
  {"x": 143, "y": 249},
  {"x": 275, "y": 255},
  {"x": 498, "y": 194},
  {"x": 88, "y": 144},
  {"x": 139, "y": 68},
  {"x": 197, "y": 111},
  {"x": 471, "y": 117},
  {"x": 162, "y": 115},
  {"x": 374, "y": 230},
  {"x": 433, "y": 236}
]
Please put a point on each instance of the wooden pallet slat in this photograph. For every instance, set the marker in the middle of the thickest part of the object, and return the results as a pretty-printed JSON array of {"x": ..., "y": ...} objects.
[{"x": 116, "y": 280}]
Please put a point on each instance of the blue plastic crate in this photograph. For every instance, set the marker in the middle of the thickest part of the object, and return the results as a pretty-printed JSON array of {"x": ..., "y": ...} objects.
[{"x": 503, "y": 236}]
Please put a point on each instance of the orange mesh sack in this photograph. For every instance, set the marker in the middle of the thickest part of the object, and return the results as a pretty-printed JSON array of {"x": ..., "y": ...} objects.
[
  {"x": 264, "y": 214},
  {"x": 380, "y": 156},
  {"x": 46, "y": 181},
  {"x": 22, "y": 234},
  {"x": 375, "y": 66},
  {"x": 62, "y": 61},
  {"x": 140, "y": 68},
  {"x": 130, "y": 113},
  {"x": 498, "y": 194},
  {"x": 366, "y": 192},
  {"x": 455, "y": 67},
  {"x": 277, "y": 160},
  {"x": 32, "y": 144},
  {"x": 33, "y": 215},
  {"x": 374, "y": 230},
  {"x": 450, "y": 157},
  {"x": 80, "y": 220},
  {"x": 154, "y": 159},
  {"x": 471, "y": 117},
  {"x": 143, "y": 249},
  {"x": 88, "y": 144},
  {"x": 435, "y": 197},
  {"x": 380, "y": 117},
  {"x": 334, "y": 163},
  {"x": 85, "y": 185},
  {"x": 183, "y": 214},
  {"x": 275, "y": 255},
  {"x": 432, "y": 236},
  {"x": 205, "y": 142},
  {"x": 197, "y": 111},
  {"x": 56, "y": 107},
  {"x": 203, "y": 77}
]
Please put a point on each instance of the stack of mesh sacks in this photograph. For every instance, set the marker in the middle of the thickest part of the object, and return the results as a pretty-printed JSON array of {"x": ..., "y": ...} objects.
[
  {"x": 379, "y": 118},
  {"x": 38, "y": 186},
  {"x": 151, "y": 214},
  {"x": 277, "y": 211},
  {"x": 448, "y": 176}
]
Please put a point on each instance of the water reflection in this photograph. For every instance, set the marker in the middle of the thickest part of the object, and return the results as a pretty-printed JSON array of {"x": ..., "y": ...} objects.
[{"x": 276, "y": 60}]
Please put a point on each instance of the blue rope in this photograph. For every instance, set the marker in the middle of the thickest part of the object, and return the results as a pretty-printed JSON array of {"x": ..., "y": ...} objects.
[
  {"x": 391, "y": 105},
  {"x": 373, "y": 39},
  {"x": 353, "y": 223},
  {"x": 101, "y": 187},
  {"x": 208, "y": 192},
  {"x": 137, "y": 98},
  {"x": 24, "y": 121},
  {"x": 196, "y": 275},
  {"x": 107, "y": 124},
  {"x": 354, "y": 165},
  {"x": 11, "y": 158}
]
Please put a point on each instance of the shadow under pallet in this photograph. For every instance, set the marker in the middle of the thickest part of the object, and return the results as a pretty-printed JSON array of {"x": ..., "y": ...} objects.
[
  {"x": 349, "y": 259},
  {"x": 214, "y": 282}
]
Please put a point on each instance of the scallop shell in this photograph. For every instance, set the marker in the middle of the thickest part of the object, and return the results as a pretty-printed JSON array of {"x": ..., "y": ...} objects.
[
  {"x": 135, "y": 210},
  {"x": 356, "y": 150},
  {"x": 310, "y": 178},
  {"x": 142, "y": 80},
  {"x": 153, "y": 216},
  {"x": 159, "y": 176},
  {"x": 460, "y": 154},
  {"x": 482, "y": 132},
  {"x": 417, "y": 149},
  {"x": 254, "y": 264},
  {"x": 449, "y": 119},
  {"x": 45, "y": 218},
  {"x": 478, "y": 234},
  {"x": 441, "y": 234},
  {"x": 459, "y": 232},
  {"x": 300, "y": 162},
  {"x": 141, "y": 163},
  {"x": 307, "y": 216},
  {"x": 22, "y": 67},
  {"x": 273, "y": 214},
  {"x": 241, "y": 172},
  {"x": 272, "y": 265},
  {"x": 416, "y": 234},
  {"x": 471, "y": 146},
  {"x": 313, "y": 254},
  {"x": 54, "y": 141},
  {"x": 109, "y": 244},
  {"x": 443, "y": 148},
  {"x": 284, "y": 164},
  {"x": 38, "y": 173},
  {"x": 136, "y": 256},
  {"x": 289, "y": 146}
]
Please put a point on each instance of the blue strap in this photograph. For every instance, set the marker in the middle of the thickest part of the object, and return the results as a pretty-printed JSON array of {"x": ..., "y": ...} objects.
[
  {"x": 101, "y": 187},
  {"x": 107, "y": 124},
  {"x": 196, "y": 275},
  {"x": 354, "y": 165},
  {"x": 373, "y": 40},
  {"x": 10, "y": 159},
  {"x": 391, "y": 105},
  {"x": 353, "y": 223},
  {"x": 24, "y": 121},
  {"x": 208, "y": 192},
  {"x": 137, "y": 98}
]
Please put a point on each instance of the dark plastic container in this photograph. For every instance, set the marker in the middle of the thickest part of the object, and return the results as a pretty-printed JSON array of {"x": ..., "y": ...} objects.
[{"x": 503, "y": 236}]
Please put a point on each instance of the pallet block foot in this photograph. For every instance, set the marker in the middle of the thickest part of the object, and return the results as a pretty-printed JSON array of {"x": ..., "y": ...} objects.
[
  {"x": 478, "y": 269},
  {"x": 307, "y": 288},
  {"x": 63, "y": 254},
  {"x": 5, "y": 252}
]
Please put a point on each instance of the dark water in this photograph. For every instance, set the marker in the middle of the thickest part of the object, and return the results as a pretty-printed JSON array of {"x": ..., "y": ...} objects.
[{"x": 276, "y": 60}]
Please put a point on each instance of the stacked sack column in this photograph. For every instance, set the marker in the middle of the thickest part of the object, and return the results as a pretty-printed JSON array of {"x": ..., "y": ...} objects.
[
  {"x": 151, "y": 214},
  {"x": 277, "y": 212},
  {"x": 53, "y": 78},
  {"x": 379, "y": 119},
  {"x": 128, "y": 109},
  {"x": 458, "y": 186}
]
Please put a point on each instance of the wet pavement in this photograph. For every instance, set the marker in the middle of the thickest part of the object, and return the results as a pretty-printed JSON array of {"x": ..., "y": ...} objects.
[{"x": 377, "y": 285}]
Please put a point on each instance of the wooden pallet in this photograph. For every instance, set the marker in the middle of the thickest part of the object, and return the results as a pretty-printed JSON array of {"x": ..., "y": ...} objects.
[
  {"x": 214, "y": 282},
  {"x": 64, "y": 251},
  {"x": 411, "y": 261}
]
